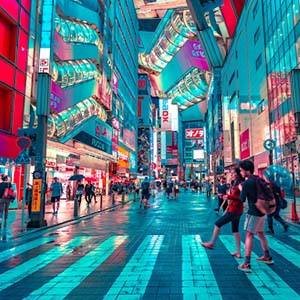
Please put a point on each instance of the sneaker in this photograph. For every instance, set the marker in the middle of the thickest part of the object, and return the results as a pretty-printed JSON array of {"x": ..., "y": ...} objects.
[
  {"x": 245, "y": 268},
  {"x": 286, "y": 227},
  {"x": 266, "y": 260}
]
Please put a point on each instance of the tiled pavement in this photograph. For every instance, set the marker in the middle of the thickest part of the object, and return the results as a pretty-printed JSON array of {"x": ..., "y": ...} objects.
[{"x": 155, "y": 253}]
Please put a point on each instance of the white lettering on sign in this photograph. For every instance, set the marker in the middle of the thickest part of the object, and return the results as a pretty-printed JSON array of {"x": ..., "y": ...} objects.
[
  {"x": 197, "y": 50},
  {"x": 165, "y": 111},
  {"x": 196, "y": 133},
  {"x": 244, "y": 146}
]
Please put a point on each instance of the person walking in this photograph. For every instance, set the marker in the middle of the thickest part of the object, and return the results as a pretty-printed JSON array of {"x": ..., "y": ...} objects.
[
  {"x": 233, "y": 214},
  {"x": 222, "y": 190},
  {"x": 145, "y": 186},
  {"x": 276, "y": 213},
  {"x": 56, "y": 192},
  {"x": 254, "y": 222},
  {"x": 208, "y": 189},
  {"x": 79, "y": 191},
  {"x": 28, "y": 198},
  {"x": 88, "y": 193}
]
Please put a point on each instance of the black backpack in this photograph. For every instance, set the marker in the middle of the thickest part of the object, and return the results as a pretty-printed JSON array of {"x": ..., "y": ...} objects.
[
  {"x": 266, "y": 202},
  {"x": 145, "y": 186}
]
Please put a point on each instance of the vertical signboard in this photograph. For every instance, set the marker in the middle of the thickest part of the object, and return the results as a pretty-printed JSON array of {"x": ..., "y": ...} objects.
[
  {"x": 36, "y": 195},
  {"x": 245, "y": 145}
]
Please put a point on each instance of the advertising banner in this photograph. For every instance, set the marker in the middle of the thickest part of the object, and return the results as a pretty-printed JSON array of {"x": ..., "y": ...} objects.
[
  {"x": 194, "y": 133},
  {"x": 245, "y": 144}
]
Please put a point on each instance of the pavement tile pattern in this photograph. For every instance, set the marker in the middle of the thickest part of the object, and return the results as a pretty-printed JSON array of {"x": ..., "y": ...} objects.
[{"x": 155, "y": 253}]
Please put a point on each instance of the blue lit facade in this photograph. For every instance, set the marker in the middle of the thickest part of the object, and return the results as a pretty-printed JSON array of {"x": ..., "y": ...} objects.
[{"x": 259, "y": 96}]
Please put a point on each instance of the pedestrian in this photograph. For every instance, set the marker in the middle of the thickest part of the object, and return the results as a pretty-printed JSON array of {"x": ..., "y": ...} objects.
[
  {"x": 88, "y": 193},
  {"x": 233, "y": 214},
  {"x": 254, "y": 222},
  {"x": 68, "y": 192},
  {"x": 94, "y": 193},
  {"x": 6, "y": 193},
  {"x": 79, "y": 191},
  {"x": 28, "y": 198},
  {"x": 208, "y": 189},
  {"x": 145, "y": 186},
  {"x": 222, "y": 190},
  {"x": 276, "y": 213},
  {"x": 56, "y": 192}
]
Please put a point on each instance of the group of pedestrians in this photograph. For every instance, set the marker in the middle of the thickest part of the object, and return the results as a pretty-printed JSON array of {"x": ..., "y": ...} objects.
[{"x": 244, "y": 188}]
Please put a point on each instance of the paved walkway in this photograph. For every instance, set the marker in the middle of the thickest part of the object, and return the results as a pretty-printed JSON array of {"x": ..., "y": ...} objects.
[
  {"x": 155, "y": 253},
  {"x": 17, "y": 224}
]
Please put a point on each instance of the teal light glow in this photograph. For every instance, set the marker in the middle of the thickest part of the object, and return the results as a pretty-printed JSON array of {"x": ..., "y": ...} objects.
[
  {"x": 38, "y": 262},
  {"x": 263, "y": 276},
  {"x": 8, "y": 254},
  {"x": 191, "y": 89},
  {"x": 134, "y": 278},
  {"x": 198, "y": 280},
  {"x": 59, "y": 125},
  {"x": 67, "y": 73},
  {"x": 77, "y": 31},
  {"x": 177, "y": 31},
  {"x": 61, "y": 285}
]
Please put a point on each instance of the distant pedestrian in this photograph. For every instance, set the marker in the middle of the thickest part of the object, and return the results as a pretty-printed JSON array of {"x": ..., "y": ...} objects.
[
  {"x": 254, "y": 222},
  {"x": 88, "y": 193},
  {"x": 233, "y": 214},
  {"x": 56, "y": 192},
  {"x": 68, "y": 191},
  {"x": 208, "y": 189},
  {"x": 145, "y": 187},
  {"x": 222, "y": 190},
  {"x": 79, "y": 191},
  {"x": 28, "y": 198},
  {"x": 276, "y": 213}
]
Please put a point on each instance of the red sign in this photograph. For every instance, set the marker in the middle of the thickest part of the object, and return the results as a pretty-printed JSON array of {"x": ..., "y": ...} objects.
[
  {"x": 142, "y": 83},
  {"x": 245, "y": 145},
  {"x": 194, "y": 133}
]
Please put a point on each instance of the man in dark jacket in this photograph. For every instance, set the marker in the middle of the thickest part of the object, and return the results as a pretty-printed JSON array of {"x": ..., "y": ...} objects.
[{"x": 254, "y": 222}]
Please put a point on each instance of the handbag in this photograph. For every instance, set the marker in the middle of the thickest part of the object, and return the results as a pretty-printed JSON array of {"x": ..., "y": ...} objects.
[
  {"x": 282, "y": 202},
  {"x": 9, "y": 194}
]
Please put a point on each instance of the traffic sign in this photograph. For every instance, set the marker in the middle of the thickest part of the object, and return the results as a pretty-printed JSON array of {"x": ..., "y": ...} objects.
[
  {"x": 23, "y": 158},
  {"x": 37, "y": 174},
  {"x": 23, "y": 142},
  {"x": 269, "y": 144}
]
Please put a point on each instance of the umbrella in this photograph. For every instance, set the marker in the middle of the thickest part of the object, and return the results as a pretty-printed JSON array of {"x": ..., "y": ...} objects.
[
  {"x": 77, "y": 177},
  {"x": 280, "y": 176}
]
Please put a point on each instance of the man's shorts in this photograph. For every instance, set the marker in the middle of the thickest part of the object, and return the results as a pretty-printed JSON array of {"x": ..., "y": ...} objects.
[
  {"x": 55, "y": 199},
  {"x": 254, "y": 223}
]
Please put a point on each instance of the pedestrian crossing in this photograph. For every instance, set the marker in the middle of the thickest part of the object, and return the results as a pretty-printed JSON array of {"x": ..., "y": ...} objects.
[{"x": 199, "y": 279}]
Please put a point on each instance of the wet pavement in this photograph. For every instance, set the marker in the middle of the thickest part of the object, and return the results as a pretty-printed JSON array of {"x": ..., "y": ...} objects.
[{"x": 154, "y": 253}]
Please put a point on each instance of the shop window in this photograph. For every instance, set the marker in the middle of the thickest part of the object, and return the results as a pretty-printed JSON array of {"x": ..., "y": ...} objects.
[
  {"x": 8, "y": 33},
  {"x": 6, "y": 105}
]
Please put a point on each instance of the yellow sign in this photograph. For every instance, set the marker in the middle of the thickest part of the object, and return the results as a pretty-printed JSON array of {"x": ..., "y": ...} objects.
[{"x": 36, "y": 195}]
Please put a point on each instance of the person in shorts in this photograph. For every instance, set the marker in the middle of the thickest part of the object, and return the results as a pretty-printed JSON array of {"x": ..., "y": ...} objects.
[
  {"x": 254, "y": 222},
  {"x": 232, "y": 215},
  {"x": 56, "y": 192}
]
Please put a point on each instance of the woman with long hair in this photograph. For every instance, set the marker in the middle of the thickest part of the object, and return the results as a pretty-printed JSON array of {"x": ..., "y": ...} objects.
[{"x": 232, "y": 214}]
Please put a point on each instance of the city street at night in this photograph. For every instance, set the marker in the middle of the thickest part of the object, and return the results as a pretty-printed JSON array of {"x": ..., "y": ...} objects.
[{"x": 154, "y": 253}]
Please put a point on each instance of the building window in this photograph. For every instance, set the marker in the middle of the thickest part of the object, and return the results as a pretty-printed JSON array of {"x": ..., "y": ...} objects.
[
  {"x": 256, "y": 35},
  {"x": 258, "y": 62},
  {"x": 5, "y": 114},
  {"x": 8, "y": 32}
]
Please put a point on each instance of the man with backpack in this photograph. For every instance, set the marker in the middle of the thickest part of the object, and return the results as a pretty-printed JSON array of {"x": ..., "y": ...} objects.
[
  {"x": 254, "y": 222},
  {"x": 145, "y": 192}
]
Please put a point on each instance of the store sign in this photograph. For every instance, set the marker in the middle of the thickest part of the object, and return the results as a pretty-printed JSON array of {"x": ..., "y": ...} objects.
[
  {"x": 115, "y": 83},
  {"x": 194, "y": 133},
  {"x": 245, "y": 144},
  {"x": 36, "y": 195},
  {"x": 115, "y": 123},
  {"x": 93, "y": 142}
]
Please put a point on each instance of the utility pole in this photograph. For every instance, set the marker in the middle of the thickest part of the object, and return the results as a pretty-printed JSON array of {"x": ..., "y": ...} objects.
[{"x": 39, "y": 187}]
